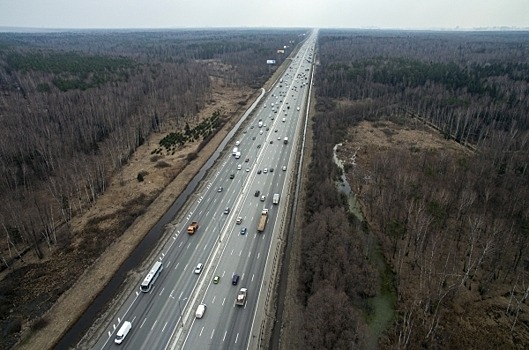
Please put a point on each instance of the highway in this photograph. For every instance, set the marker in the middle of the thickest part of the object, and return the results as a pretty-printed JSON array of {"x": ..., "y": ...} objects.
[{"x": 164, "y": 318}]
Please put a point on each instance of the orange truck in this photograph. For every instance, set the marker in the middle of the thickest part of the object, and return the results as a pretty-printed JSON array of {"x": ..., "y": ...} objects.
[{"x": 191, "y": 229}]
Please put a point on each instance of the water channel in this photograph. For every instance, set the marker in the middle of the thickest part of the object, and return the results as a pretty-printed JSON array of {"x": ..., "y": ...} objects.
[{"x": 380, "y": 308}]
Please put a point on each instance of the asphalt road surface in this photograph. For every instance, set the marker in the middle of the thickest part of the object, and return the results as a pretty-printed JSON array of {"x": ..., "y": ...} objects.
[{"x": 164, "y": 317}]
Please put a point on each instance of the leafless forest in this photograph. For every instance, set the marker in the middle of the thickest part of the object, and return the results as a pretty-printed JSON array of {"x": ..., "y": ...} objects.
[
  {"x": 454, "y": 229},
  {"x": 74, "y": 106}
]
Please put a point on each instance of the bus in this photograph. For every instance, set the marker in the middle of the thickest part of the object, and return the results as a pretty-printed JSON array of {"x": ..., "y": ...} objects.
[{"x": 148, "y": 282}]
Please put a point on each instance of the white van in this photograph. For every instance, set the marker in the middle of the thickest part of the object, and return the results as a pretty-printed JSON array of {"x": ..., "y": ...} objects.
[
  {"x": 201, "y": 310},
  {"x": 123, "y": 331}
]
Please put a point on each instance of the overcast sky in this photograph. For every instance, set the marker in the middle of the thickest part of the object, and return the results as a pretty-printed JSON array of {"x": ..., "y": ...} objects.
[{"x": 415, "y": 14}]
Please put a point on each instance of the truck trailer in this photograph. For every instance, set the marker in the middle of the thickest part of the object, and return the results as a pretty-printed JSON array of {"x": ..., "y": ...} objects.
[{"x": 263, "y": 220}]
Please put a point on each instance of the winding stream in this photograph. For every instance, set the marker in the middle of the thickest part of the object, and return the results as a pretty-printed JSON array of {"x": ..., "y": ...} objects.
[{"x": 380, "y": 309}]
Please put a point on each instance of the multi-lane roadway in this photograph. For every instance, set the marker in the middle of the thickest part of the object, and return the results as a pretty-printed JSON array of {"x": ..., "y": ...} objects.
[{"x": 165, "y": 317}]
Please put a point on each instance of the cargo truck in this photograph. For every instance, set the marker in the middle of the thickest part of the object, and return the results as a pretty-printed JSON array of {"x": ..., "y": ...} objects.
[
  {"x": 275, "y": 200},
  {"x": 263, "y": 220},
  {"x": 241, "y": 297}
]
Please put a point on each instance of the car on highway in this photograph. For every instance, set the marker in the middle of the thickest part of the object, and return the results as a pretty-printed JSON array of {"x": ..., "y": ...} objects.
[
  {"x": 257, "y": 193},
  {"x": 235, "y": 280},
  {"x": 271, "y": 141},
  {"x": 247, "y": 170},
  {"x": 239, "y": 220},
  {"x": 271, "y": 170},
  {"x": 219, "y": 189},
  {"x": 216, "y": 280},
  {"x": 232, "y": 176},
  {"x": 239, "y": 167},
  {"x": 284, "y": 167},
  {"x": 265, "y": 170},
  {"x": 243, "y": 231},
  {"x": 201, "y": 310},
  {"x": 263, "y": 197},
  {"x": 199, "y": 268},
  {"x": 258, "y": 146},
  {"x": 227, "y": 210},
  {"x": 247, "y": 160},
  {"x": 258, "y": 171}
]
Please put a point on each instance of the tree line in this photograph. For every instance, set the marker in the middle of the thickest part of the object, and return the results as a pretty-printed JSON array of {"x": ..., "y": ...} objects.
[
  {"x": 452, "y": 226},
  {"x": 73, "y": 108}
]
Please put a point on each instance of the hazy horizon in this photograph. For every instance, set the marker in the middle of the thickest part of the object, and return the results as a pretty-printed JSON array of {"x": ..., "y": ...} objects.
[{"x": 339, "y": 14}]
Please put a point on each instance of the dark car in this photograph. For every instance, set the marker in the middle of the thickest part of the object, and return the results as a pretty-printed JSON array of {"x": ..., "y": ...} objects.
[
  {"x": 258, "y": 146},
  {"x": 243, "y": 231},
  {"x": 232, "y": 176},
  {"x": 258, "y": 171},
  {"x": 257, "y": 193},
  {"x": 235, "y": 280}
]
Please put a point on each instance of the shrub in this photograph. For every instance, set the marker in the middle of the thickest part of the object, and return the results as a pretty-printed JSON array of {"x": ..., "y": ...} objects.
[
  {"x": 191, "y": 156},
  {"x": 141, "y": 175},
  {"x": 14, "y": 325},
  {"x": 162, "y": 164},
  {"x": 39, "y": 323},
  {"x": 155, "y": 157}
]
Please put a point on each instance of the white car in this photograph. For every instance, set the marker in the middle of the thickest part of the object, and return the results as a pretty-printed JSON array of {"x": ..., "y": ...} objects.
[
  {"x": 284, "y": 167},
  {"x": 265, "y": 170},
  {"x": 199, "y": 268},
  {"x": 201, "y": 310},
  {"x": 239, "y": 167}
]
